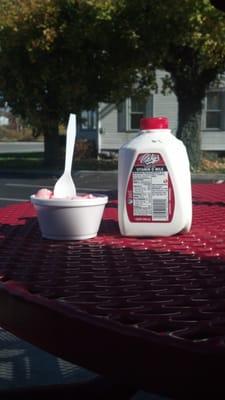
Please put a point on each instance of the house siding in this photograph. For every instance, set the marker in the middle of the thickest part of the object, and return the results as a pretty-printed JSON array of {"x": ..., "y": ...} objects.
[
  {"x": 165, "y": 105},
  {"x": 113, "y": 121},
  {"x": 213, "y": 140},
  {"x": 108, "y": 118}
]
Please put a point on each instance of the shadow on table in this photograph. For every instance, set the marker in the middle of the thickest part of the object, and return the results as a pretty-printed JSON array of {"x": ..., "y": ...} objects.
[
  {"x": 22, "y": 364},
  {"x": 27, "y": 372}
]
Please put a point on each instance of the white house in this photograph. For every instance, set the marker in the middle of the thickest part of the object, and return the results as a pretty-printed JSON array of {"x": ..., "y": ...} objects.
[
  {"x": 4, "y": 120},
  {"x": 116, "y": 125}
]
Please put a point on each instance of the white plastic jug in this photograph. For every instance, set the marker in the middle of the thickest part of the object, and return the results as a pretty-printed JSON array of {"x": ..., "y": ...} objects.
[{"x": 154, "y": 183}]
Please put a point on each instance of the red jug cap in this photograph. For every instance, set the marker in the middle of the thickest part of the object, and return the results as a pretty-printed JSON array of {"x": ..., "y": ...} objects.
[{"x": 154, "y": 123}]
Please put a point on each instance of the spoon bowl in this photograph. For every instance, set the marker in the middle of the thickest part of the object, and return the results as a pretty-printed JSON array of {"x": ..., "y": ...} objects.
[{"x": 65, "y": 186}]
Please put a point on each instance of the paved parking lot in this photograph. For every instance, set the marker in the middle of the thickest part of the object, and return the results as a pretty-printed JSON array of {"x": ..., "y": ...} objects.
[{"x": 15, "y": 187}]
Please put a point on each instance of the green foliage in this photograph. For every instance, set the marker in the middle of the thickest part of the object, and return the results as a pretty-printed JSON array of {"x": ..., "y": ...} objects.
[
  {"x": 62, "y": 56},
  {"x": 187, "y": 39},
  {"x": 35, "y": 162}
]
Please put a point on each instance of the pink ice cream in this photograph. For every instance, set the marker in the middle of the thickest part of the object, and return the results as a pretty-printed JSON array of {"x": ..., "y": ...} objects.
[
  {"x": 44, "y": 193},
  {"x": 47, "y": 194}
]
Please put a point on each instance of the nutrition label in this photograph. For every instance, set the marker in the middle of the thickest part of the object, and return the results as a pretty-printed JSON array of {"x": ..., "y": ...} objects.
[{"x": 149, "y": 195}]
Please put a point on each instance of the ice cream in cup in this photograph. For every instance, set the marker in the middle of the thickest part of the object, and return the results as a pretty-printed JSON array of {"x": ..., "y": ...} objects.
[
  {"x": 74, "y": 218},
  {"x": 62, "y": 213}
]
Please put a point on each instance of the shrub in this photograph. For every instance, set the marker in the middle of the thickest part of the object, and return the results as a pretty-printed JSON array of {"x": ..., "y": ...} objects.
[{"x": 85, "y": 148}]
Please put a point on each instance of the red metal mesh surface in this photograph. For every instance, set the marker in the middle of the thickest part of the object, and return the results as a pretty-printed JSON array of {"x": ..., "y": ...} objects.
[{"x": 172, "y": 287}]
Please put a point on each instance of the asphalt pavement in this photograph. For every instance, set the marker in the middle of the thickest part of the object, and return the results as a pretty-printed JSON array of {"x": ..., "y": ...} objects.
[{"x": 18, "y": 185}]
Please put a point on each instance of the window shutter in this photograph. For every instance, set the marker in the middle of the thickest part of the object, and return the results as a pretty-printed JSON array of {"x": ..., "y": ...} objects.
[
  {"x": 121, "y": 109},
  {"x": 149, "y": 107},
  {"x": 223, "y": 110}
]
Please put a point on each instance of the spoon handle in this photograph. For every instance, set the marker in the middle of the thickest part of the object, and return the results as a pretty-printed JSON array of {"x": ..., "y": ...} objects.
[{"x": 70, "y": 142}]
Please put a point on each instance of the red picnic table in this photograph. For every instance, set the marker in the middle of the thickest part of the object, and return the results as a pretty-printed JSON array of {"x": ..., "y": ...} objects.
[{"x": 150, "y": 311}]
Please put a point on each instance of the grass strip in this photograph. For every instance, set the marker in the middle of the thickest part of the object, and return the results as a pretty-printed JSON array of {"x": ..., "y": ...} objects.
[{"x": 36, "y": 160}]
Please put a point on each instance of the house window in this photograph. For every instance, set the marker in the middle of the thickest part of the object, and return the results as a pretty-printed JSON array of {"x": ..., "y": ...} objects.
[
  {"x": 88, "y": 120},
  {"x": 131, "y": 111},
  {"x": 137, "y": 111},
  {"x": 214, "y": 110}
]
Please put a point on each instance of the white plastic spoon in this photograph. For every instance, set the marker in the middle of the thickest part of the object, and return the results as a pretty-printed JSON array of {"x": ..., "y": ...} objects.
[{"x": 64, "y": 186}]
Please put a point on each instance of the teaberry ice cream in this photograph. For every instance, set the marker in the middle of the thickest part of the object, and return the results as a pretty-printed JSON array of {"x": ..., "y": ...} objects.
[
  {"x": 48, "y": 194},
  {"x": 75, "y": 217}
]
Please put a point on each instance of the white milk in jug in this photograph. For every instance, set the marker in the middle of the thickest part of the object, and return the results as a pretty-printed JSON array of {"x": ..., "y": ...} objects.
[{"x": 154, "y": 183}]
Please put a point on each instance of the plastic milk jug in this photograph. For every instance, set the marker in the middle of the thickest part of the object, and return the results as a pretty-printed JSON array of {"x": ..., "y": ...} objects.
[{"x": 154, "y": 183}]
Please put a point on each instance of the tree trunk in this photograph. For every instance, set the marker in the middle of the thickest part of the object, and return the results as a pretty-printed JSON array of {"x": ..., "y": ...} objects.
[
  {"x": 52, "y": 148},
  {"x": 190, "y": 81},
  {"x": 189, "y": 127}
]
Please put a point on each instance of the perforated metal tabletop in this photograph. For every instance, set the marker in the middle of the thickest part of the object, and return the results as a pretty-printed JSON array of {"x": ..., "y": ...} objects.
[{"x": 146, "y": 310}]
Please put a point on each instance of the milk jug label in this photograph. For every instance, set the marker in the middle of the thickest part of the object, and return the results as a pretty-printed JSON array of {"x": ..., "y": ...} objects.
[{"x": 150, "y": 194}]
